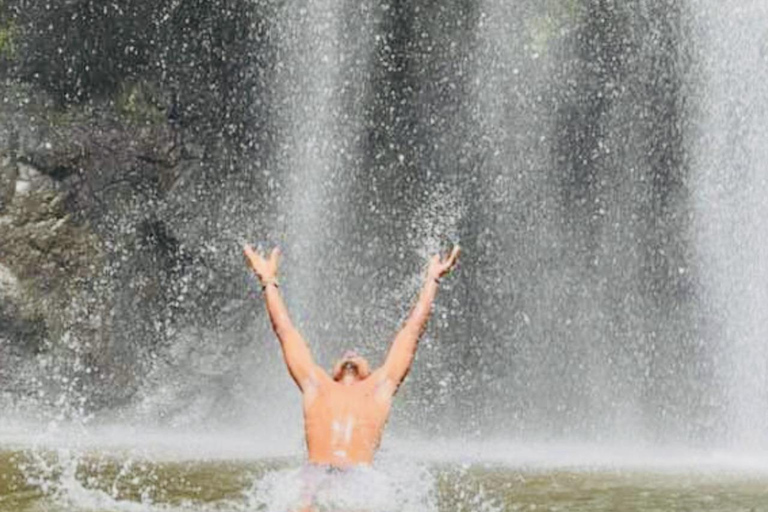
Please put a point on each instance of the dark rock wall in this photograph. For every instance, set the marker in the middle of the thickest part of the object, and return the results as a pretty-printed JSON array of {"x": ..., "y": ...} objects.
[{"x": 549, "y": 135}]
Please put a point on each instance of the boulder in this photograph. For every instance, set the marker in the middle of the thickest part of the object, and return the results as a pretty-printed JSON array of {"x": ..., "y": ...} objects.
[
  {"x": 8, "y": 175},
  {"x": 9, "y": 286},
  {"x": 29, "y": 180}
]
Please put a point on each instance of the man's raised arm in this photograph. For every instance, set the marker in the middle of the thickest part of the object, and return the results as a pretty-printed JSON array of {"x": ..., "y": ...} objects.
[
  {"x": 403, "y": 349},
  {"x": 295, "y": 350}
]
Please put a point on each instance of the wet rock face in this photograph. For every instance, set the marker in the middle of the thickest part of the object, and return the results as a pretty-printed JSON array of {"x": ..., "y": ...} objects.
[
  {"x": 8, "y": 174},
  {"x": 122, "y": 135},
  {"x": 30, "y": 180},
  {"x": 58, "y": 172},
  {"x": 95, "y": 252},
  {"x": 9, "y": 286},
  {"x": 21, "y": 331}
]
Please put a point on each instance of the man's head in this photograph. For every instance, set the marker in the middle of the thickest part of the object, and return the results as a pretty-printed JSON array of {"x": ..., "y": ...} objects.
[{"x": 351, "y": 365}]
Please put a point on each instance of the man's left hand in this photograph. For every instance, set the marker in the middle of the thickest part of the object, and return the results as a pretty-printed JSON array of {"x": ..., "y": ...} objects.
[{"x": 438, "y": 267}]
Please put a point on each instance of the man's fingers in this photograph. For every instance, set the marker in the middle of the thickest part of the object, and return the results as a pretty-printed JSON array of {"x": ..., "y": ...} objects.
[
  {"x": 274, "y": 256},
  {"x": 450, "y": 259},
  {"x": 454, "y": 256},
  {"x": 254, "y": 258},
  {"x": 248, "y": 251}
]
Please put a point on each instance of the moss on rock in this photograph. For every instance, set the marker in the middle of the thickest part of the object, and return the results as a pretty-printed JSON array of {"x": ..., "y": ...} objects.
[
  {"x": 8, "y": 35},
  {"x": 136, "y": 102}
]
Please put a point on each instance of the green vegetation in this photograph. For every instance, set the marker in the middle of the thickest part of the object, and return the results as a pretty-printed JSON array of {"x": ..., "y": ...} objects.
[
  {"x": 136, "y": 102},
  {"x": 60, "y": 117},
  {"x": 7, "y": 40},
  {"x": 8, "y": 33}
]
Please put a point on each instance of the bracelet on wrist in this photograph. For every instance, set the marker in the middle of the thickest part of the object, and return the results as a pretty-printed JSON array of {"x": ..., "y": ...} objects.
[{"x": 264, "y": 284}]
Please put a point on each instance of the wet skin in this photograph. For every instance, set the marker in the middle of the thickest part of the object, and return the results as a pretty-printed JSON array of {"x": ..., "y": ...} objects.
[
  {"x": 344, "y": 416},
  {"x": 344, "y": 419}
]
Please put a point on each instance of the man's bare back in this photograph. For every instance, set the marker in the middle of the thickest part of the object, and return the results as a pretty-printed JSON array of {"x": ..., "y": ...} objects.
[
  {"x": 345, "y": 413},
  {"x": 344, "y": 422}
]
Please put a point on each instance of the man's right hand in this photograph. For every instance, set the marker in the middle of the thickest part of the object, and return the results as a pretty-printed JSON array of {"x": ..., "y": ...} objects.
[
  {"x": 264, "y": 268},
  {"x": 438, "y": 267}
]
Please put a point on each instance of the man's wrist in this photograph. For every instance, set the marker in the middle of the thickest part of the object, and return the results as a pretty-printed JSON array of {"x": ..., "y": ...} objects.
[{"x": 267, "y": 282}]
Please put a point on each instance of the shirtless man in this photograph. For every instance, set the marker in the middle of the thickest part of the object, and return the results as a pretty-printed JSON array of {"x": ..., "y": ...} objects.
[{"x": 345, "y": 412}]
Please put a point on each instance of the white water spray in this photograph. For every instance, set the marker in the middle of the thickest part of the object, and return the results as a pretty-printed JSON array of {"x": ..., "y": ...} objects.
[{"x": 731, "y": 173}]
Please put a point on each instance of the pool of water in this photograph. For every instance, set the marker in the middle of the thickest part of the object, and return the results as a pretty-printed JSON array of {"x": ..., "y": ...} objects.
[{"x": 120, "y": 480}]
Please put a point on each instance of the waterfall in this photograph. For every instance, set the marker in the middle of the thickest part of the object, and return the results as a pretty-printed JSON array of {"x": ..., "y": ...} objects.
[
  {"x": 586, "y": 313},
  {"x": 731, "y": 151},
  {"x": 600, "y": 162},
  {"x": 323, "y": 56}
]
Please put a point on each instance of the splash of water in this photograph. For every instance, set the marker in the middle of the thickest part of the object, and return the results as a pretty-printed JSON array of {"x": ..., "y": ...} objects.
[{"x": 388, "y": 488}]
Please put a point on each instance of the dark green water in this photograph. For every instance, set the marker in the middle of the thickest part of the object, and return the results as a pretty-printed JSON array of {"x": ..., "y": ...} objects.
[{"x": 56, "y": 481}]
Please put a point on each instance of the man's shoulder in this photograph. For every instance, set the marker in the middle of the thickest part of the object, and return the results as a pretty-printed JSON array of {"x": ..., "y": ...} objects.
[{"x": 316, "y": 380}]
